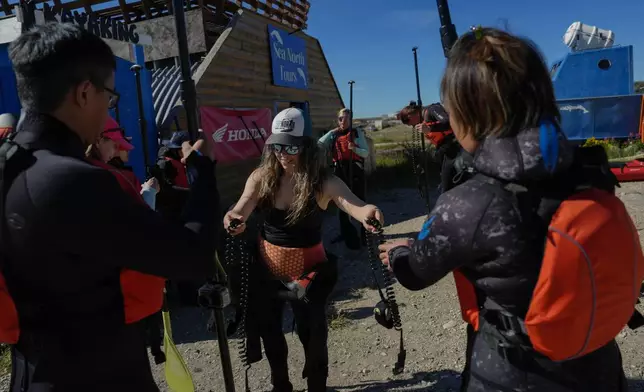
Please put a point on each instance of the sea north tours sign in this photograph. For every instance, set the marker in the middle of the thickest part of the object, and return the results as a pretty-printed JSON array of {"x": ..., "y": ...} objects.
[{"x": 288, "y": 59}]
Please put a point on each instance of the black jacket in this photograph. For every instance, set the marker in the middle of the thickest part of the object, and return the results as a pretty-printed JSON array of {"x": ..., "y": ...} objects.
[
  {"x": 472, "y": 229},
  {"x": 70, "y": 232}
]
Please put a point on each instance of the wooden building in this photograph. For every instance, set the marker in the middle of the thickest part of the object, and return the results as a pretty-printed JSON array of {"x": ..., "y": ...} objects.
[
  {"x": 232, "y": 55},
  {"x": 237, "y": 73}
]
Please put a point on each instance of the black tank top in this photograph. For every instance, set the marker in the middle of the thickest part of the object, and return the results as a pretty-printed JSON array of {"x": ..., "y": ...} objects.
[{"x": 305, "y": 233}]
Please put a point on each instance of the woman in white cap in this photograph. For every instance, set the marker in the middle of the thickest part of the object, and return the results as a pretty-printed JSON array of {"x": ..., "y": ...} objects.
[{"x": 291, "y": 189}]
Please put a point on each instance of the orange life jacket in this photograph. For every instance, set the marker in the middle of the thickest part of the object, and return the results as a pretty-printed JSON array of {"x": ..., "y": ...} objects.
[
  {"x": 437, "y": 137},
  {"x": 181, "y": 180},
  {"x": 341, "y": 151},
  {"x": 589, "y": 281}
]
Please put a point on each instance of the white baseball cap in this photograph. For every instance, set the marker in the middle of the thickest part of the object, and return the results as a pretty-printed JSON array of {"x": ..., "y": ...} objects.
[{"x": 288, "y": 128}]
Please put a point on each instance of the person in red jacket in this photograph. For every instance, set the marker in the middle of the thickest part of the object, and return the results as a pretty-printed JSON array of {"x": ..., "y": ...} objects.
[{"x": 109, "y": 145}]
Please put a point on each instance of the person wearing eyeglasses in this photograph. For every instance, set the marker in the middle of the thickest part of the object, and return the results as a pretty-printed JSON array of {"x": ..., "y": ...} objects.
[
  {"x": 70, "y": 231},
  {"x": 291, "y": 189},
  {"x": 348, "y": 149}
]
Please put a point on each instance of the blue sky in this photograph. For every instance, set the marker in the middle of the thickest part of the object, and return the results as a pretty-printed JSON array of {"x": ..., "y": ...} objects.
[{"x": 370, "y": 41}]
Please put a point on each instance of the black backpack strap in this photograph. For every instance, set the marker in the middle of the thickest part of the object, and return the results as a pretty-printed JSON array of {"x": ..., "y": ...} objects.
[
  {"x": 636, "y": 320},
  {"x": 7, "y": 150}
]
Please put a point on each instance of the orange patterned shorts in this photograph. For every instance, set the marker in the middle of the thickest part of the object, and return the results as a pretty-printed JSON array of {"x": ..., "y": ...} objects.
[{"x": 290, "y": 263}]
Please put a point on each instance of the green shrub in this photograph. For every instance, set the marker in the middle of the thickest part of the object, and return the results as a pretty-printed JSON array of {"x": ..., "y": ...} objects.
[{"x": 618, "y": 149}]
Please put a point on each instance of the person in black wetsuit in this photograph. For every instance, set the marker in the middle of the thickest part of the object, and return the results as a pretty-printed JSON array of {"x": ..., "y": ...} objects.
[{"x": 291, "y": 189}]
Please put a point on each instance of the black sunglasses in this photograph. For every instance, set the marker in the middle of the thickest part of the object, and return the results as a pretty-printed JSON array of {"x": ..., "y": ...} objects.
[{"x": 288, "y": 149}]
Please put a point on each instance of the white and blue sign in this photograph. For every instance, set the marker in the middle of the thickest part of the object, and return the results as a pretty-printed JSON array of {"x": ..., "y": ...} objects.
[{"x": 288, "y": 59}]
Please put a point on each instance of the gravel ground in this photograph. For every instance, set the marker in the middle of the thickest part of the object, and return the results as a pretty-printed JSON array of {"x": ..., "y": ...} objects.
[{"x": 361, "y": 352}]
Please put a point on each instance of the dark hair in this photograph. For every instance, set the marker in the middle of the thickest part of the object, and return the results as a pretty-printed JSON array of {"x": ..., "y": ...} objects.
[
  {"x": 407, "y": 112},
  {"x": 51, "y": 59},
  {"x": 497, "y": 84}
]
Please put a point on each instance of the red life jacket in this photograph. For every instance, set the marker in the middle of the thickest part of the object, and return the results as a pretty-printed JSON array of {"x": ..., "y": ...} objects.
[
  {"x": 436, "y": 137},
  {"x": 181, "y": 180},
  {"x": 341, "y": 151},
  {"x": 142, "y": 293},
  {"x": 9, "y": 326}
]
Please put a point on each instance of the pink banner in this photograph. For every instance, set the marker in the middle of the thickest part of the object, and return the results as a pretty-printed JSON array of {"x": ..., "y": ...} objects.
[{"x": 237, "y": 134}]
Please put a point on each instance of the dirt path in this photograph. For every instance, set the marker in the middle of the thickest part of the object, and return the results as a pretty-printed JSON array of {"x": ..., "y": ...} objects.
[{"x": 361, "y": 352}]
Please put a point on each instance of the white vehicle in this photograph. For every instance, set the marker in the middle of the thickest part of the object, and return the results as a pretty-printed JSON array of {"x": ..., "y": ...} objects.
[{"x": 580, "y": 37}]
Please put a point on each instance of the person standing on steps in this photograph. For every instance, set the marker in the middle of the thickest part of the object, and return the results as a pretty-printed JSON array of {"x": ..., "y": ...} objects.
[
  {"x": 61, "y": 279},
  {"x": 291, "y": 190},
  {"x": 348, "y": 149}
]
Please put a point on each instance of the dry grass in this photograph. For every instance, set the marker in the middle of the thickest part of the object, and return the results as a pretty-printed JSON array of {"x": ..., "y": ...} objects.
[
  {"x": 337, "y": 319},
  {"x": 395, "y": 134},
  {"x": 5, "y": 360},
  {"x": 394, "y": 169}
]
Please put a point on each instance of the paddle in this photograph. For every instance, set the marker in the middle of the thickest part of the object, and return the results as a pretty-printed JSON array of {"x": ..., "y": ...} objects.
[{"x": 177, "y": 374}]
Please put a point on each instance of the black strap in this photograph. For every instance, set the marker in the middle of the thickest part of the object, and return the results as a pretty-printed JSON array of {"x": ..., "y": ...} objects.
[
  {"x": 7, "y": 150},
  {"x": 636, "y": 321}
]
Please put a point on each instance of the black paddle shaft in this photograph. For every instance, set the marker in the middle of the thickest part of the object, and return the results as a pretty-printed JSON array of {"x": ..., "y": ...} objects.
[
  {"x": 447, "y": 29},
  {"x": 136, "y": 68},
  {"x": 351, "y": 83},
  {"x": 423, "y": 159}
]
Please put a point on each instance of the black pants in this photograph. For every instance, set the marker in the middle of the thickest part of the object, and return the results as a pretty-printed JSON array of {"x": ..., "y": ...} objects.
[
  {"x": 124, "y": 371},
  {"x": 520, "y": 370},
  {"x": 358, "y": 186},
  {"x": 311, "y": 327},
  {"x": 465, "y": 375},
  {"x": 152, "y": 327}
]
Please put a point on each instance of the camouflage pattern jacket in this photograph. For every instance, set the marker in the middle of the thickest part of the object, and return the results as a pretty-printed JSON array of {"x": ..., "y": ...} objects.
[{"x": 474, "y": 230}]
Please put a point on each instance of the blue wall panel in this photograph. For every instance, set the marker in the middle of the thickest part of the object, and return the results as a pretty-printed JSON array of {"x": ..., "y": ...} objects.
[
  {"x": 579, "y": 74},
  {"x": 601, "y": 118}
]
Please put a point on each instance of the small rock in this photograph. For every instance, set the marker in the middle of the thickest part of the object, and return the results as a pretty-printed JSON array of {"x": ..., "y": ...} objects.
[
  {"x": 383, "y": 354},
  {"x": 449, "y": 325}
]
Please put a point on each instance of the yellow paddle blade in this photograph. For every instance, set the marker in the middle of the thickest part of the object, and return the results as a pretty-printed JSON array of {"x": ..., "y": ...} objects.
[{"x": 177, "y": 374}]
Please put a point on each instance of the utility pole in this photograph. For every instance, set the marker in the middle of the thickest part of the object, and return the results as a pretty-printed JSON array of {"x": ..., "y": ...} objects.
[
  {"x": 423, "y": 159},
  {"x": 351, "y": 83},
  {"x": 188, "y": 90}
]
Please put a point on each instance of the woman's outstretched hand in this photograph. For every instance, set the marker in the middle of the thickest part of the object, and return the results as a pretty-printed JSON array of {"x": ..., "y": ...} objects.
[
  {"x": 387, "y": 246},
  {"x": 371, "y": 213},
  {"x": 234, "y": 223}
]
